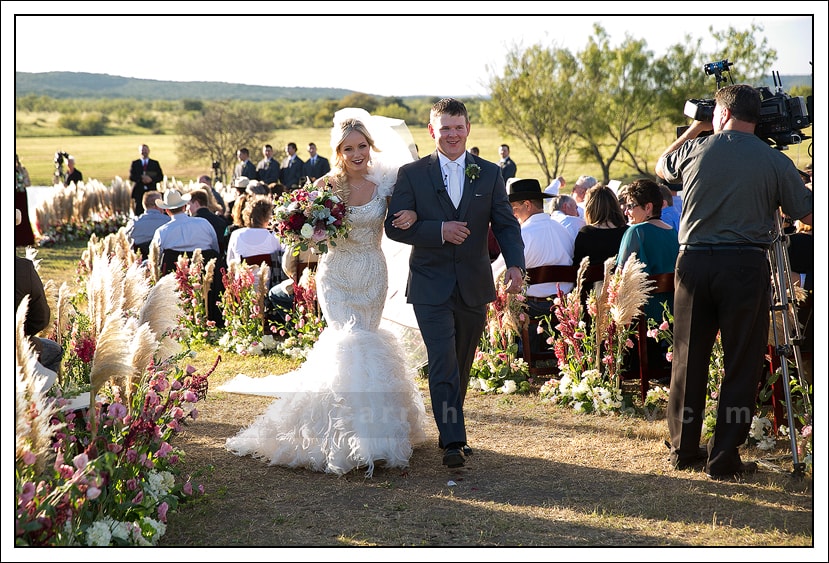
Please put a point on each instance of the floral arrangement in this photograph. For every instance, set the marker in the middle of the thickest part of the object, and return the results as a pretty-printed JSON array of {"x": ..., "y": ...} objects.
[
  {"x": 663, "y": 332},
  {"x": 68, "y": 232},
  {"x": 310, "y": 218},
  {"x": 75, "y": 212},
  {"x": 304, "y": 324},
  {"x": 107, "y": 475},
  {"x": 496, "y": 367},
  {"x": 243, "y": 308},
  {"x": 193, "y": 281},
  {"x": 473, "y": 171},
  {"x": 590, "y": 355},
  {"x": 588, "y": 392},
  {"x": 101, "y": 469}
]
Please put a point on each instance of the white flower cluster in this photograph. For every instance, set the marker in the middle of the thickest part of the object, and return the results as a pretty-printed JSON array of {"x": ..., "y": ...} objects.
[
  {"x": 245, "y": 348},
  {"x": 159, "y": 483},
  {"x": 102, "y": 532},
  {"x": 587, "y": 394},
  {"x": 760, "y": 433}
]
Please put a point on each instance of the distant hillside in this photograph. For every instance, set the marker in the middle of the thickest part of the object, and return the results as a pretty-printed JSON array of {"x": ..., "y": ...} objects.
[{"x": 87, "y": 85}]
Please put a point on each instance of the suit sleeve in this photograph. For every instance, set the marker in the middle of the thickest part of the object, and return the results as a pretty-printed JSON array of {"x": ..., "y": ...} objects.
[
  {"x": 426, "y": 233},
  {"x": 135, "y": 172}
]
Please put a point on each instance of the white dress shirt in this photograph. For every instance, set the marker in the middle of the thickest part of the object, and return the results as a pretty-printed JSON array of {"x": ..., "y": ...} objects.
[
  {"x": 186, "y": 233},
  {"x": 546, "y": 243},
  {"x": 250, "y": 241}
]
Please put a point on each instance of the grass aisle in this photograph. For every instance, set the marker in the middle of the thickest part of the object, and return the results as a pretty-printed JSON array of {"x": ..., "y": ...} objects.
[{"x": 540, "y": 476}]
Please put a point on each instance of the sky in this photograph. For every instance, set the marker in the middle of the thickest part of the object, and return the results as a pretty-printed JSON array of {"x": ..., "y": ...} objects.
[{"x": 384, "y": 55}]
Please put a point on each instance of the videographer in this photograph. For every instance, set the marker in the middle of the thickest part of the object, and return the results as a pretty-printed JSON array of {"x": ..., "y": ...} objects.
[{"x": 733, "y": 186}]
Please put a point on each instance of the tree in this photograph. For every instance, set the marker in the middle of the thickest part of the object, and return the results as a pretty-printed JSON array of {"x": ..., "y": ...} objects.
[
  {"x": 217, "y": 133},
  {"x": 625, "y": 96},
  {"x": 531, "y": 103}
]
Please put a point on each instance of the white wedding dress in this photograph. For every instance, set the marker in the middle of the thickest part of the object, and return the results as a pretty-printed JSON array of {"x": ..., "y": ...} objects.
[{"x": 354, "y": 401}]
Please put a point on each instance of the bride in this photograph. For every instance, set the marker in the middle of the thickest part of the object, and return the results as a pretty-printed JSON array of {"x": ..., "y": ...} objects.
[{"x": 353, "y": 403}]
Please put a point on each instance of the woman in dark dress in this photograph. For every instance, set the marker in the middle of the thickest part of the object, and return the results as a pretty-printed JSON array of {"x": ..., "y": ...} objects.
[
  {"x": 23, "y": 234},
  {"x": 599, "y": 239}
]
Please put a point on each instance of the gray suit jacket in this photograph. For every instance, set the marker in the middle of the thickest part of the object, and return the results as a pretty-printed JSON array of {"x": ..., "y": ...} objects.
[{"x": 435, "y": 267}]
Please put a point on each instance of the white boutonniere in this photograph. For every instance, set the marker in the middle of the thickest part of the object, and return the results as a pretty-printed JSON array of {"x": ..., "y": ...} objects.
[{"x": 473, "y": 171}]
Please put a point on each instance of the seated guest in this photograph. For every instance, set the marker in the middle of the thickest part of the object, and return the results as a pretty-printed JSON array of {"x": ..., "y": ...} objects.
[
  {"x": 235, "y": 218},
  {"x": 28, "y": 282},
  {"x": 141, "y": 229},
  {"x": 183, "y": 233},
  {"x": 186, "y": 234},
  {"x": 580, "y": 188},
  {"x": 199, "y": 206},
  {"x": 600, "y": 237},
  {"x": 546, "y": 242},
  {"x": 205, "y": 179},
  {"x": 256, "y": 237},
  {"x": 566, "y": 212},
  {"x": 656, "y": 245},
  {"x": 669, "y": 213}
]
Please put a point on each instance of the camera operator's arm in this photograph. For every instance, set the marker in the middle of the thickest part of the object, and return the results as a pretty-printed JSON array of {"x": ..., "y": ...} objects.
[{"x": 696, "y": 128}]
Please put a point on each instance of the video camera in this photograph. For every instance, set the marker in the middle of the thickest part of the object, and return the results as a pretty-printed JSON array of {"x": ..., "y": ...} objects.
[
  {"x": 782, "y": 117},
  {"x": 217, "y": 165},
  {"x": 59, "y": 157}
]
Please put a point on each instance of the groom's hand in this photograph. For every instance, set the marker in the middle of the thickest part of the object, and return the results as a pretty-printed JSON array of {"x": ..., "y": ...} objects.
[
  {"x": 513, "y": 280},
  {"x": 455, "y": 232}
]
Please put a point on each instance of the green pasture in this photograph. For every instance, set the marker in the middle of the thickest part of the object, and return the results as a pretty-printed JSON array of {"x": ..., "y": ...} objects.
[{"x": 105, "y": 157}]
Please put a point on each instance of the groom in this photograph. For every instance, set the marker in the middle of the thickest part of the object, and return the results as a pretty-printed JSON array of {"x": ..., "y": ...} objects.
[{"x": 456, "y": 196}]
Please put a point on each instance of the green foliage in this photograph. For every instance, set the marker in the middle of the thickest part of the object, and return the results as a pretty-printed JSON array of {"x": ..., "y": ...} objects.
[
  {"x": 145, "y": 121},
  {"x": 496, "y": 366},
  {"x": 93, "y": 124}
]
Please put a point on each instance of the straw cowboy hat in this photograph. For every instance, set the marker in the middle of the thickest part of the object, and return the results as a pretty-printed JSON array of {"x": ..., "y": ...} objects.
[
  {"x": 241, "y": 182},
  {"x": 520, "y": 189},
  {"x": 173, "y": 200}
]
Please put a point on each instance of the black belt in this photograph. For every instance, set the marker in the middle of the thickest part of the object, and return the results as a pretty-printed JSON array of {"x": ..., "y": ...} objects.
[
  {"x": 720, "y": 247},
  {"x": 547, "y": 299}
]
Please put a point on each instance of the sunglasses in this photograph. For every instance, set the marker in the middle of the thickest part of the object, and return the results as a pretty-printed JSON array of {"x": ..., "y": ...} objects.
[{"x": 630, "y": 206}]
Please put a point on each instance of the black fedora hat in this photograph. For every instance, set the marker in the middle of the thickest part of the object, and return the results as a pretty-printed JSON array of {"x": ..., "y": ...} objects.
[{"x": 520, "y": 189}]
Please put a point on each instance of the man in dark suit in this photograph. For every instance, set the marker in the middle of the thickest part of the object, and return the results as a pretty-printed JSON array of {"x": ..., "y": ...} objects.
[
  {"x": 145, "y": 174},
  {"x": 508, "y": 166},
  {"x": 292, "y": 166},
  {"x": 456, "y": 197},
  {"x": 245, "y": 167},
  {"x": 316, "y": 166},
  {"x": 267, "y": 171}
]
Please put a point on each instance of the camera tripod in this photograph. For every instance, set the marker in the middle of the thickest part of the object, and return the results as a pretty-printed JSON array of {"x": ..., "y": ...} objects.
[{"x": 787, "y": 344}]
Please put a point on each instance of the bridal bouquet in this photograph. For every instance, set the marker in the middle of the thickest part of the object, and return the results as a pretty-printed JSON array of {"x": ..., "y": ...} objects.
[{"x": 310, "y": 217}]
